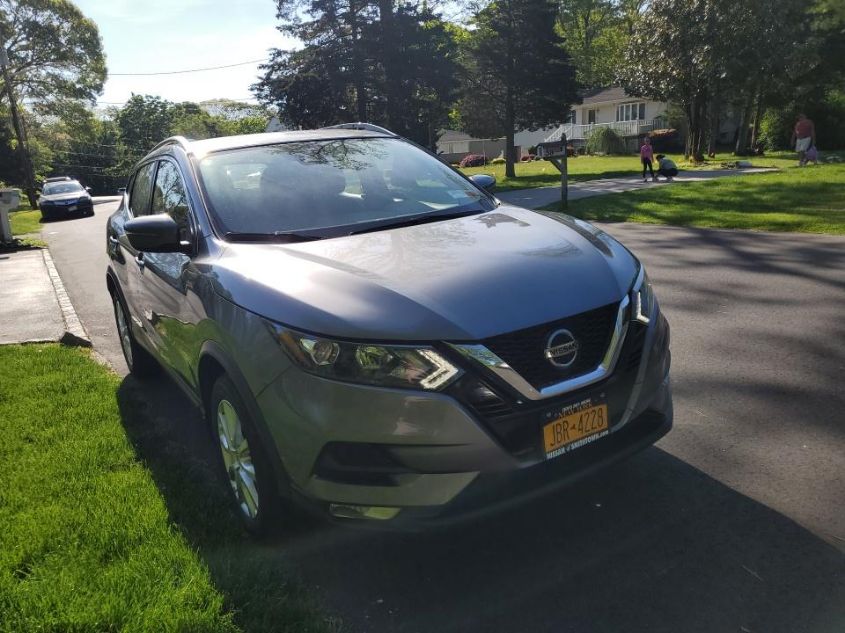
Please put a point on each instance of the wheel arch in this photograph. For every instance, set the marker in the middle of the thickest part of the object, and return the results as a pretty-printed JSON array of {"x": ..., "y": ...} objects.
[{"x": 214, "y": 362}]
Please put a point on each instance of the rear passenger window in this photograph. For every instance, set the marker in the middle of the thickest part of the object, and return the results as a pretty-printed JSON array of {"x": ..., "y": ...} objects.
[
  {"x": 139, "y": 199},
  {"x": 169, "y": 196}
]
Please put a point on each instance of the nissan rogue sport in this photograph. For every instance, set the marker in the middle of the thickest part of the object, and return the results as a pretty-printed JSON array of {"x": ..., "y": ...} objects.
[{"x": 376, "y": 337}]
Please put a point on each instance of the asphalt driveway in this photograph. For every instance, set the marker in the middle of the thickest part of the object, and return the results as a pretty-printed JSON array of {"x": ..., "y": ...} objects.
[{"x": 734, "y": 522}]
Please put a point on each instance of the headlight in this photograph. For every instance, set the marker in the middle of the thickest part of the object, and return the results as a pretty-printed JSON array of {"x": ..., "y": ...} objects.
[
  {"x": 643, "y": 297},
  {"x": 366, "y": 363}
]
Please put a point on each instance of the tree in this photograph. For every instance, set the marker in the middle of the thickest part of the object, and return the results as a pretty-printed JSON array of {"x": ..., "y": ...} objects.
[
  {"x": 672, "y": 56},
  {"x": 143, "y": 121},
  {"x": 595, "y": 40},
  {"x": 717, "y": 53},
  {"x": 518, "y": 74},
  {"x": 365, "y": 60},
  {"x": 55, "y": 52},
  {"x": 54, "y": 55}
]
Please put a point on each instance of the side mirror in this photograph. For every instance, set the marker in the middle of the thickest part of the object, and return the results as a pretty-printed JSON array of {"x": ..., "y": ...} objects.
[
  {"x": 485, "y": 181},
  {"x": 88, "y": 189},
  {"x": 154, "y": 234},
  {"x": 122, "y": 190}
]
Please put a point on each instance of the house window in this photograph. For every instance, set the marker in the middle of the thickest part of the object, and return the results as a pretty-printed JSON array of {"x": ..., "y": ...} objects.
[
  {"x": 630, "y": 112},
  {"x": 591, "y": 116}
]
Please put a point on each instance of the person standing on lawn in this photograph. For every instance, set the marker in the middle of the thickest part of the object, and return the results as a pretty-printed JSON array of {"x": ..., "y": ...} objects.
[
  {"x": 804, "y": 137},
  {"x": 666, "y": 167},
  {"x": 646, "y": 157}
]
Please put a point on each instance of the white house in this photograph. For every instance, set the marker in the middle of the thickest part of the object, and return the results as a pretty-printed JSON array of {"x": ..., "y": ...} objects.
[{"x": 630, "y": 117}]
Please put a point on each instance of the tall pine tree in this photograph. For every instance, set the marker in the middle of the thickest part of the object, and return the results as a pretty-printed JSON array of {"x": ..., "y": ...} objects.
[
  {"x": 366, "y": 60},
  {"x": 518, "y": 73}
]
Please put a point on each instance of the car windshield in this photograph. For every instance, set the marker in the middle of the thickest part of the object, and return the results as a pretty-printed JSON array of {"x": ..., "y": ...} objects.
[
  {"x": 53, "y": 188},
  {"x": 333, "y": 187}
]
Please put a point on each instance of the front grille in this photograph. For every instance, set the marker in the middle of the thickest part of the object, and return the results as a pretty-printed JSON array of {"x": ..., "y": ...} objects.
[
  {"x": 524, "y": 350},
  {"x": 517, "y": 424}
]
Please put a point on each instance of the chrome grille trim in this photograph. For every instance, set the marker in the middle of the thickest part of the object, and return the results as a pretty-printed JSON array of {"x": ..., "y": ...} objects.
[{"x": 486, "y": 358}]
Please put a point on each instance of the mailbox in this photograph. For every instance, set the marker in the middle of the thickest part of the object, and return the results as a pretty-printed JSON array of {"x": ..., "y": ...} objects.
[{"x": 9, "y": 200}]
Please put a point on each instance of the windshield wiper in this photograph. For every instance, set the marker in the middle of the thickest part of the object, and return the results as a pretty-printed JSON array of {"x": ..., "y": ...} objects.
[
  {"x": 423, "y": 218},
  {"x": 275, "y": 236}
]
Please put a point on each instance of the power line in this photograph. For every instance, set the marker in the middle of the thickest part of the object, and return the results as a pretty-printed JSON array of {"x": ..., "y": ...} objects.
[{"x": 188, "y": 70}]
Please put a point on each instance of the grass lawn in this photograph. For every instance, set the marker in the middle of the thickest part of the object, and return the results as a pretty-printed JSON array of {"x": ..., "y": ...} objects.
[
  {"x": 806, "y": 200},
  {"x": 543, "y": 173},
  {"x": 24, "y": 222},
  {"x": 88, "y": 542}
]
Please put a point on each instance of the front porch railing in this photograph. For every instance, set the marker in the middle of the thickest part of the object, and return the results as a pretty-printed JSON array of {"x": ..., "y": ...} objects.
[{"x": 623, "y": 128}]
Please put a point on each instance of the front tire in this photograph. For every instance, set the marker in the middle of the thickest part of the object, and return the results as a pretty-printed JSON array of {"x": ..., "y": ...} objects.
[
  {"x": 244, "y": 460},
  {"x": 140, "y": 362}
]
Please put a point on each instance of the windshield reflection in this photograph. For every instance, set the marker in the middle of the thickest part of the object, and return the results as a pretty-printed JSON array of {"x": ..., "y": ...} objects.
[{"x": 333, "y": 187}]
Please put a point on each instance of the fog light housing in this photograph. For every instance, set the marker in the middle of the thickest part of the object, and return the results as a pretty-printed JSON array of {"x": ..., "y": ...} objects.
[{"x": 347, "y": 511}]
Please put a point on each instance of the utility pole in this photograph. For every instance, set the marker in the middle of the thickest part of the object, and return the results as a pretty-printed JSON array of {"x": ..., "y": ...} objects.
[{"x": 20, "y": 132}]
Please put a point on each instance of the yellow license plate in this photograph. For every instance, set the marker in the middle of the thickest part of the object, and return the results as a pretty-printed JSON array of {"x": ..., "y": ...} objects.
[{"x": 574, "y": 428}]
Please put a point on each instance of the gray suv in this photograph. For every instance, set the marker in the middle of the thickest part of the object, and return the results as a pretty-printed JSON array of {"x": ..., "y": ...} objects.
[{"x": 375, "y": 337}]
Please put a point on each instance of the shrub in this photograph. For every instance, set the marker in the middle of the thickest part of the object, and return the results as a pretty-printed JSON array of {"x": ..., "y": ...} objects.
[
  {"x": 474, "y": 160},
  {"x": 604, "y": 140},
  {"x": 666, "y": 140}
]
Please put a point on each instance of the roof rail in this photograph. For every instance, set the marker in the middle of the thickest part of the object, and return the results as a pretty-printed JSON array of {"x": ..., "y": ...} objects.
[
  {"x": 369, "y": 127},
  {"x": 171, "y": 140}
]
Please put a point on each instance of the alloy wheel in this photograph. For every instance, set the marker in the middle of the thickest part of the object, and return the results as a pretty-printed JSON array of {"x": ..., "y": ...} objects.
[
  {"x": 123, "y": 331},
  {"x": 237, "y": 458}
]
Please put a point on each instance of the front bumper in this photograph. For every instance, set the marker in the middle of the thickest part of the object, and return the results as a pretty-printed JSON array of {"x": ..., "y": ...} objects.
[
  {"x": 439, "y": 457},
  {"x": 61, "y": 210}
]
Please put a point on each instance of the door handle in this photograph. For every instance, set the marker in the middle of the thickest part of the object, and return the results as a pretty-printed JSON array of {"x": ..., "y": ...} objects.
[
  {"x": 139, "y": 258},
  {"x": 114, "y": 240}
]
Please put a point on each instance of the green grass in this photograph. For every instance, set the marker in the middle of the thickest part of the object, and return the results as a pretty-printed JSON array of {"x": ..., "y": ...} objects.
[
  {"x": 806, "y": 200},
  {"x": 95, "y": 539},
  {"x": 543, "y": 173},
  {"x": 24, "y": 222}
]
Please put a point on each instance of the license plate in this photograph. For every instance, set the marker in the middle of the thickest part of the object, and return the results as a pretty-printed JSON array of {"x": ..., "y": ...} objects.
[
  {"x": 72, "y": 208},
  {"x": 575, "y": 426}
]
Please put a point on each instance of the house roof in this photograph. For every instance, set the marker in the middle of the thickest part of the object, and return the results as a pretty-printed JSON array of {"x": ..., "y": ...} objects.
[
  {"x": 601, "y": 95},
  {"x": 453, "y": 135}
]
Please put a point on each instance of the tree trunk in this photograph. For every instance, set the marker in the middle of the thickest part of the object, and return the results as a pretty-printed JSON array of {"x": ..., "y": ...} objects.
[
  {"x": 391, "y": 78},
  {"x": 510, "y": 115},
  {"x": 715, "y": 111},
  {"x": 758, "y": 114},
  {"x": 357, "y": 65},
  {"x": 695, "y": 135},
  {"x": 741, "y": 148},
  {"x": 23, "y": 145}
]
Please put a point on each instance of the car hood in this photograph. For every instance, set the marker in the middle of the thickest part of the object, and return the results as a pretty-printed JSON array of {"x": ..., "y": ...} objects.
[
  {"x": 461, "y": 279},
  {"x": 59, "y": 197}
]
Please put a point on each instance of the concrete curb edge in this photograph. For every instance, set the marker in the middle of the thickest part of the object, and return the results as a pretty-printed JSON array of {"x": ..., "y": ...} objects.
[{"x": 74, "y": 334}]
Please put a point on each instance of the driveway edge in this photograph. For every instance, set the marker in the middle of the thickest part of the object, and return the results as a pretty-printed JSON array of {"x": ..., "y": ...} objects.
[{"x": 74, "y": 334}]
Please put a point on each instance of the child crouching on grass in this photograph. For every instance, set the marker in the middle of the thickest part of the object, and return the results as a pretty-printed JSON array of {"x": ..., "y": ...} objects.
[
  {"x": 646, "y": 156},
  {"x": 666, "y": 167}
]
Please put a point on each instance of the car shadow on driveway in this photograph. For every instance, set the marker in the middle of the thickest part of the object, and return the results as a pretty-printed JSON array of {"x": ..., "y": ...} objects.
[{"x": 650, "y": 544}]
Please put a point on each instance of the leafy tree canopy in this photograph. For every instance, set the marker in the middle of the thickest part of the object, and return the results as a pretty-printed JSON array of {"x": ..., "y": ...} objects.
[{"x": 55, "y": 52}]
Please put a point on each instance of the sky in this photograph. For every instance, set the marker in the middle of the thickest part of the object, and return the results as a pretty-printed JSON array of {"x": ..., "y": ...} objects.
[{"x": 143, "y": 36}]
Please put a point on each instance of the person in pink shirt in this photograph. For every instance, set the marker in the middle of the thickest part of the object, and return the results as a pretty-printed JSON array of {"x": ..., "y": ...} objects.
[{"x": 647, "y": 157}]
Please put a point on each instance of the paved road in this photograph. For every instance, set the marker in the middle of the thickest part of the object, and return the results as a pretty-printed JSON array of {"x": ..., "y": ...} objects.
[{"x": 733, "y": 522}]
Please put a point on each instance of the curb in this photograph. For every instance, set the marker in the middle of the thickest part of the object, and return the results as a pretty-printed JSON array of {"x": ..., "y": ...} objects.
[{"x": 74, "y": 334}]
